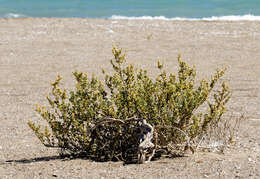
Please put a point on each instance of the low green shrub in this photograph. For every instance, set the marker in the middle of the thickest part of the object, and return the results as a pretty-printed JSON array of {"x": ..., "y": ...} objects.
[{"x": 130, "y": 116}]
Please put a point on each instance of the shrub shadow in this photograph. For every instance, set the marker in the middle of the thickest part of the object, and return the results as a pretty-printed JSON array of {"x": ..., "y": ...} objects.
[
  {"x": 41, "y": 159},
  {"x": 71, "y": 157}
]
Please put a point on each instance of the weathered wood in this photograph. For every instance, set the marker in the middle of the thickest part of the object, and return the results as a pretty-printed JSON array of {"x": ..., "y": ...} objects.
[{"x": 146, "y": 137}]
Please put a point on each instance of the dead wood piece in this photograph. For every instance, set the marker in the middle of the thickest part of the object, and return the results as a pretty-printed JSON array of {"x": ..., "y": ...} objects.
[{"x": 147, "y": 132}]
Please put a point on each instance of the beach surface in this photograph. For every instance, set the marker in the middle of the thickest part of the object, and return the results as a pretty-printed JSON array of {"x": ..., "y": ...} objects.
[{"x": 33, "y": 51}]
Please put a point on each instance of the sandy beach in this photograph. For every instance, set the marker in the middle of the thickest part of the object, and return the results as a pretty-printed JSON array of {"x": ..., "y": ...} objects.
[{"x": 33, "y": 51}]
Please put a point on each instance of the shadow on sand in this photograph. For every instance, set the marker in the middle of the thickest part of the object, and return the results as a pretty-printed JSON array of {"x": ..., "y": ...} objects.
[
  {"x": 71, "y": 157},
  {"x": 41, "y": 159}
]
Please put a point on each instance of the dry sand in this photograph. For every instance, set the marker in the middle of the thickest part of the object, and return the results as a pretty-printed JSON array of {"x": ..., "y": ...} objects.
[{"x": 34, "y": 51}]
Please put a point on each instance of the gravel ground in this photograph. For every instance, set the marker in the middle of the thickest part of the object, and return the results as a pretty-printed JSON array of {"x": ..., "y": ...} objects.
[{"x": 34, "y": 51}]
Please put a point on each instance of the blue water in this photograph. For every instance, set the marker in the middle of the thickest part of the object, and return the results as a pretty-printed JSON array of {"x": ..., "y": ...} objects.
[{"x": 129, "y": 8}]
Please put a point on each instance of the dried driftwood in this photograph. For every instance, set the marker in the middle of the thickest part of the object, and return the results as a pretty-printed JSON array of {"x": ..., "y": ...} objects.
[{"x": 147, "y": 133}]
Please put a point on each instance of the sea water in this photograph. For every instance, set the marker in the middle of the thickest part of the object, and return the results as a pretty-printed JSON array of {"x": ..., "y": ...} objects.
[{"x": 134, "y": 9}]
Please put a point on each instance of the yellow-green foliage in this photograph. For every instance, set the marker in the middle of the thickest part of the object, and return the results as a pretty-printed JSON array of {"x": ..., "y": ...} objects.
[{"x": 169, "y": 103}]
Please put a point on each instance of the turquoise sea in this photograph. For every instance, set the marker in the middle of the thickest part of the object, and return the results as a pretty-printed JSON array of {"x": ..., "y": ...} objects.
[{"x": 161, "y": 9}]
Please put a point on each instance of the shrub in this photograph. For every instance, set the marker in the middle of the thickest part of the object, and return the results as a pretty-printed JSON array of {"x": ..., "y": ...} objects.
[{"x": 130, "y": 116}]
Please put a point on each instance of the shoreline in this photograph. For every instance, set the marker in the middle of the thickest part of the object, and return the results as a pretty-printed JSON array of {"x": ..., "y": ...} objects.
[{"x": 228, "y": 18}]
